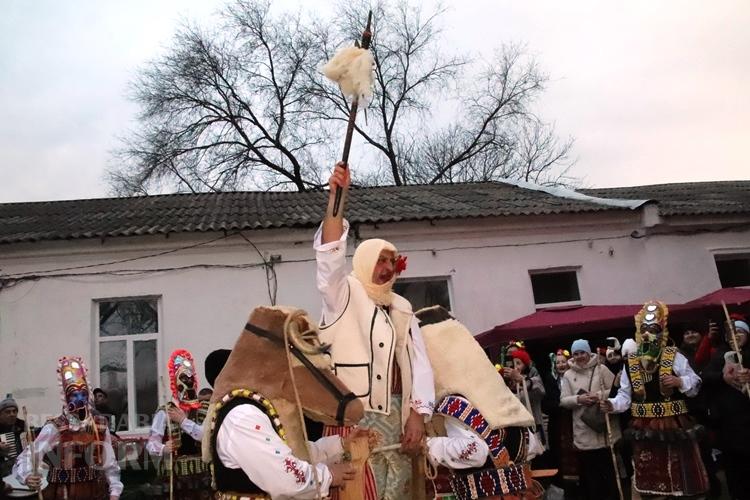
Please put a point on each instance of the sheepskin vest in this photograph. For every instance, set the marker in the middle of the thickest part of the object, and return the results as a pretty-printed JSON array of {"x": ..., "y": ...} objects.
[{"x": 365, "y": 339}]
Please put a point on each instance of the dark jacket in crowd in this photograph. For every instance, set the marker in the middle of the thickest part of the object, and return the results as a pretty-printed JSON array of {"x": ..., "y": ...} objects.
[{"x": 729, "y": 408}]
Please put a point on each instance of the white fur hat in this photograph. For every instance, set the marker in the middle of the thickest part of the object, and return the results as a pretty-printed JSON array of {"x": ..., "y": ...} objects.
[{"x": 629, "y": 347}]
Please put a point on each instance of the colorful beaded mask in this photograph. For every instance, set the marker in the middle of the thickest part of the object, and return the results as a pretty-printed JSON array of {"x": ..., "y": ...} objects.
[
  {"x": 75, "y": 390},
  {"x": 651, "y": 333},
  {"x": 183, "y": 380}
]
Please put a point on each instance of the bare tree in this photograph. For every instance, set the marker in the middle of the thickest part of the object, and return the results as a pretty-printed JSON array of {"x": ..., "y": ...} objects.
[{"x": 245, "y": 106}]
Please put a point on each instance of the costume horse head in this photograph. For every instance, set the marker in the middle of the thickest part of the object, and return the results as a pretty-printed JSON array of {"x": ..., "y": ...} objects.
[{"x": 259, "y": 362}]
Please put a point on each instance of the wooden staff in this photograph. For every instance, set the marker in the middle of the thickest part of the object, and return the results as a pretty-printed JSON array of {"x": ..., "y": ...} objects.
[
  {"x": 169, "y": 431},
  {"x": 30, "y": 444},
  {"x": 610, "y": 441},
  {"x": 365, "y": 44},
  {"x": 735, "y": 344},
  {"x": 359, "y": 452},
  {"x": 418, "y": 474}
]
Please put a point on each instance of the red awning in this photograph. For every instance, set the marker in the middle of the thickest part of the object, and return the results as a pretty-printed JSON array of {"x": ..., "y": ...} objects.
[
  {"x": 560, "y": 322},
  {"x": 730, "y": 296},
  {"x": 582, "y": 320}
]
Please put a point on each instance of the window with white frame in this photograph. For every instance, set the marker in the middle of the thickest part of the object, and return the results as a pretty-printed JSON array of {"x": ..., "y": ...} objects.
[
  {"x": 424, "y": 292},
  {"x": 555, "y": 287},
  {"x": 734, "y": 269},
  {"x": 128, "y": 331}
]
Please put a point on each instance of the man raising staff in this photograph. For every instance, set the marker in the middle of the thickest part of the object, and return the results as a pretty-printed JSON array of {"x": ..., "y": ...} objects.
[{"x": 376, "y": 345}]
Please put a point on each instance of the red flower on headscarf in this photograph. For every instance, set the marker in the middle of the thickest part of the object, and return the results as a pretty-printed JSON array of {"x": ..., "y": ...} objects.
[{"x": 400, "y": 264}]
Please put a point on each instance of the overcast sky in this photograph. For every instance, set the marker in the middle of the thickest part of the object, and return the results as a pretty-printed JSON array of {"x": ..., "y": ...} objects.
[{"x": 652, "y": 90}]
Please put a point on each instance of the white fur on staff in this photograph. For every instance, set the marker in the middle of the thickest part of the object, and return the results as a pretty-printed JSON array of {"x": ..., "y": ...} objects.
[{"x": 351, "y": 68}]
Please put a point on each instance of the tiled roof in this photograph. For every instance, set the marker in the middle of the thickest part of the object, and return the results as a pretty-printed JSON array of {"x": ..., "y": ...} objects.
[
  {"x": 177, "y": 213},
  {"x": 688, "y": 198},
  {"x": 161, "y": 214}
]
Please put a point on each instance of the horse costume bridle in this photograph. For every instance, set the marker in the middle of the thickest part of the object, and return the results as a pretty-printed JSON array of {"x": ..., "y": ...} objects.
[{"x": 343, "y": 399}]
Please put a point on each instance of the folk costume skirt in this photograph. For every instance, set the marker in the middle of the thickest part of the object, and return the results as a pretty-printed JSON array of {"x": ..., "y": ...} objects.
[
  {"x": 667, "y": 462},
  {"x": 388, "y": 476}
]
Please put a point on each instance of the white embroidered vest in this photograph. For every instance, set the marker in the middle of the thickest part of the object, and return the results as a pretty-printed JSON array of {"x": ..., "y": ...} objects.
[{"x": 364, "y": 341}]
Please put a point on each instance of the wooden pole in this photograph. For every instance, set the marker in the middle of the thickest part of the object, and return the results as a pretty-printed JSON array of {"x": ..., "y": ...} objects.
[
  {"x": 30, "y": 444},
  {"x": 365, "y": 44},
  {"x": 610, "y": 442},
  {"x": 167, "y": 398},
  {"x": 735, "y": 344},
  {"x": 418, "y": 474},
  {"x": 359, "y": 451}
]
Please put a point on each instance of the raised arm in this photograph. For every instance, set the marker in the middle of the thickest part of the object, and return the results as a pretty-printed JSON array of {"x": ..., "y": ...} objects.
[
  {"x": 330, "y": 252},
  {"x": 333, "y": 227}
]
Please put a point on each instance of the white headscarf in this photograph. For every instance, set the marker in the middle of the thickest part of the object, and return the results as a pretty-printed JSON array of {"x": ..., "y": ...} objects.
[{"x": 363, "y": 263}]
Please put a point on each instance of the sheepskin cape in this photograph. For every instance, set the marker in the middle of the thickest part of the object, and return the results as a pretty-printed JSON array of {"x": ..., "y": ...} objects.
[{"x": 461, "y": 367}]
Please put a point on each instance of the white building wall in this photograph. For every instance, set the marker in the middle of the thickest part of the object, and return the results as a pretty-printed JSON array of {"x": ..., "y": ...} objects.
[{"x": 202, "y": 309}]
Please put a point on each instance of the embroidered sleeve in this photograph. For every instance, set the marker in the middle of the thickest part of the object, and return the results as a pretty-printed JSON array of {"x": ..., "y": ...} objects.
[
  {"x": 423, "y": 380},
  {"x": 460, "y": 449},
  {"x": 44, "y": 443},
  {"x": 247, "y": 440}
]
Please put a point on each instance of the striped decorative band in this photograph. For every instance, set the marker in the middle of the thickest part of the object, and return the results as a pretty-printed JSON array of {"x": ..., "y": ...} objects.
[
  {"x": 460, "y": 409},
  {"x": 73, "y": 475},
  {"x": 491, "y": 482},
  {"x": 188, "y": 465},
  {"x": 658, "y": 410},
  {"x": 239, "y": 496}
]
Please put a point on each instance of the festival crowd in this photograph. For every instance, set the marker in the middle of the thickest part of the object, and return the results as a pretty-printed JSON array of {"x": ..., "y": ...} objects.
[
  {"x": 676, "y": 404},
  {"x": 410, "y": 406}
]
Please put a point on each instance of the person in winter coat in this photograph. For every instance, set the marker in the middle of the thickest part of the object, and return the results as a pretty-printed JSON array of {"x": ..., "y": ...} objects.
[
  {"x": 524, "y": 373},
  {"x": 584, "y": 385},
  {"x": 725, "y": 382}
]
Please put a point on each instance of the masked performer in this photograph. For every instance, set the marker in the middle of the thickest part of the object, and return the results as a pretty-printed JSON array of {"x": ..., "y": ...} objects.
[
  {"x": 481, "y": 428},
  {"x": 177, "y": 430},
  {"x": 254, "y": 436},
  {"x": 76, "y": 446},
  {"x": 666, "y": 458},
  {"x": 376, "y": 345}
]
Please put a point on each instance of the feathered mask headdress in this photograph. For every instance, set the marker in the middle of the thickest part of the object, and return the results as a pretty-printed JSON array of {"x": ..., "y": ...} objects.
[
  {"x": 651, "y": 332},
  {"x": 183, "y": 380},
  {"x": 74, "y": 390}
]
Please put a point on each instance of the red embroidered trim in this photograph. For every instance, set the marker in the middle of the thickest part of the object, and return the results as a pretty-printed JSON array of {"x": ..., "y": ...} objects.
[
  {"x": 468, "y": 452},
  {"x": 290, "y": 466}
]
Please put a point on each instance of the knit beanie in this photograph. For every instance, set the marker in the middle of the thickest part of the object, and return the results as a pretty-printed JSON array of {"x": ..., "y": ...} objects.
[
  {"x": 580, "y": 345},
  {"x": 522, "y": 355},
  {"x": 8, "y": 403}
]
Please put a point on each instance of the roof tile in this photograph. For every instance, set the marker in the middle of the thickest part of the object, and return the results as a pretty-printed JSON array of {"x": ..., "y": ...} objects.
[{"x": 162, "y": 214}]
